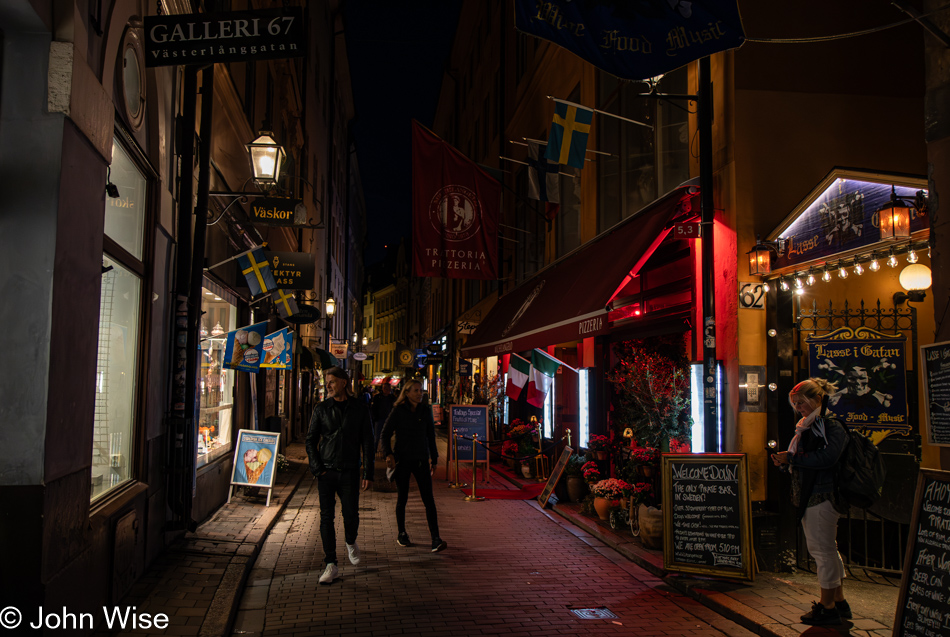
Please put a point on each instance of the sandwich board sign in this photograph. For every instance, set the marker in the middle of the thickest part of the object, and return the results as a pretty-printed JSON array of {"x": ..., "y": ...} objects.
[{"x": 255, "y": 459}]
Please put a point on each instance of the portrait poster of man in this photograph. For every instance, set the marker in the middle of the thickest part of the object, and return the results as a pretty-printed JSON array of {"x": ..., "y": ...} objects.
[{"x": 869, "y": 370}]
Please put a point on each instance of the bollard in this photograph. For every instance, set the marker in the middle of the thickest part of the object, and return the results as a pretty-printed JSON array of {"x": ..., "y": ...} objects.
[
  {"x": 455, "y": 452},
  {"x": 473, "y": 497}
]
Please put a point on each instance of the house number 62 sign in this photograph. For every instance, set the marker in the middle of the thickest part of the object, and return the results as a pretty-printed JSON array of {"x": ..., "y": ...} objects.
[{"x": 752, "y": 296}]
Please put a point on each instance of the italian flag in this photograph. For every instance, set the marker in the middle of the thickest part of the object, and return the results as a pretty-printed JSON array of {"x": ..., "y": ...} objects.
[
  {"x": 543, "y": 369},
  {"x": 518, "y": 370}
]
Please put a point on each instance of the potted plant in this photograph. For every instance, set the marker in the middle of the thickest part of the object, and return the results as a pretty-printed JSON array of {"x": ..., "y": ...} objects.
[
  {"x": 576, "y": 485},
  {"x": 522, "y": 435},
  {"x": 599, "y": 446},
  {"x": 645, "y": 459},
  {"x": 607, "y": 495},
  {"x": 591, "y": 472}
]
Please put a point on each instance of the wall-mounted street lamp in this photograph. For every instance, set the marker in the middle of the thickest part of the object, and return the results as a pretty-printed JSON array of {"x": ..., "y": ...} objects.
[
  {"x": 330, "y": 306},
  {"x": 266, "y": 156},
  {"x": 760, "y": 256},
  {"x": 894, "y": 217}
]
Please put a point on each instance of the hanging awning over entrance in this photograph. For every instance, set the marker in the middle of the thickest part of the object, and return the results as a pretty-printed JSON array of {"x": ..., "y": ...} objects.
[{"x": 568, "y": 300}]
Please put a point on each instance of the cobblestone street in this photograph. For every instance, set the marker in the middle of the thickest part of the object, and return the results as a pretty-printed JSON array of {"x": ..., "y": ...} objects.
[{"x": 510, "y": 568}]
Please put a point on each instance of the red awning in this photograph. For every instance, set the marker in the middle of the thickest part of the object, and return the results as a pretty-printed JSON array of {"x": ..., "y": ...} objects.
[{"x": 567, "y": 300}]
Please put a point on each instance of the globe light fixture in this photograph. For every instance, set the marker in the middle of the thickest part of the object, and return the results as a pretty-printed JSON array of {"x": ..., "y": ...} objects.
[{"x": 915, "y": 278}]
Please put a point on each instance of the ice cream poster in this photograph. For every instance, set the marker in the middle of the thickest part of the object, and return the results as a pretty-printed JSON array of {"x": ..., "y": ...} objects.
[
  {"x": 278, "y": 350},
  {"x": 244, "y": 349},
  {"x": 255, "y": 458}
]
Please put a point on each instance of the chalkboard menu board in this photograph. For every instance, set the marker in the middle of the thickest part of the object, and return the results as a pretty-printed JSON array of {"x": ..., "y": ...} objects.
[
  {"x": 470, "y": 420},
  {"x": 706, "y": 515},
  {"x": 935, "y": 363},
  {"x": 923, "y": 606}
]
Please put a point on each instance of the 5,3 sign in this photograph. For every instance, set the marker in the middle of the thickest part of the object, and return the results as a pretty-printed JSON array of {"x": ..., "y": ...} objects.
[
  {"x": 752, "y": 295},
  {"x": 687, "y": 230}
]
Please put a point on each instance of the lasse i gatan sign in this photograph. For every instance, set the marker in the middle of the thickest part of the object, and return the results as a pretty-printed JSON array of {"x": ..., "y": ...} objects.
[{"x": 235, "y": 36}]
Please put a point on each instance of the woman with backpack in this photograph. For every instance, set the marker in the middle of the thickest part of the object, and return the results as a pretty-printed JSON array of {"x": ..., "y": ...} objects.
[{"x": 811, "y": 459}]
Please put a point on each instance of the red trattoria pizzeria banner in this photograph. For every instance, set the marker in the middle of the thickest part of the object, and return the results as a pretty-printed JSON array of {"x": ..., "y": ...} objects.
[{"x": 455, "y": 212}]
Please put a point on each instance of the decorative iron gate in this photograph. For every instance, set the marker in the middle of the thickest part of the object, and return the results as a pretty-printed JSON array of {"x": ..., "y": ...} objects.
[{"x": 875, "y": 538}]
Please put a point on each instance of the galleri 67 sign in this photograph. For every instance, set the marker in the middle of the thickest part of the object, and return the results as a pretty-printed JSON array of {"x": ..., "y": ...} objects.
[{"x": 236, "y": 36}]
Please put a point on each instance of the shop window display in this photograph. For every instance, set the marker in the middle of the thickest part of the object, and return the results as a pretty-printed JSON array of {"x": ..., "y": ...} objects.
[{"x": 215, "y": 384}]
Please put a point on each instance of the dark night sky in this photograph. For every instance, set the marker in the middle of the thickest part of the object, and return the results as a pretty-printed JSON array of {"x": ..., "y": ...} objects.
[{"x": 397, "y": 51}]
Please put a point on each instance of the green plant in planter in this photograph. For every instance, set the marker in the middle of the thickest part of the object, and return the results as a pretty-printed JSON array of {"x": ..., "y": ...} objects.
[
  {"x": 651, "y": 390},
  {"x": 573, "y": 467}
]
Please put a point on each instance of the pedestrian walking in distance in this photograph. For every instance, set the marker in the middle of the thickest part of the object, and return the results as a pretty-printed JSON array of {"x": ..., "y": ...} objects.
[
  {"x": 340, "y": 448},
  {"x": 812, "y": 458},
  {"x": 415, "y": 454},
  {"x": 381, "y": 405}
]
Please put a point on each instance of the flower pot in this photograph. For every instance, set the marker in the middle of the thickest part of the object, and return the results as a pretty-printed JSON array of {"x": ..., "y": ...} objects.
[
  {"x": 600, "y": 455},
  {"x": 602, "y": 507},
  {"x": 651, "y": 526},
  {"x": 526, "y": 470},
  {"x": 646, "y": 470},
  {"x": 576, "y": 488}
]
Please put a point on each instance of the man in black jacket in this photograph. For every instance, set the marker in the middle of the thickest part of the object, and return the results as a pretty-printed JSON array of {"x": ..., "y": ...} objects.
[{"x": 340, "y": 429}]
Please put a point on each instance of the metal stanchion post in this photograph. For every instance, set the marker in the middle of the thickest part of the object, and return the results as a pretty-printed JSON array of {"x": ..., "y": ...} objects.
[
  {"x": 473, "y": 497},
  {"x": 455, "y": 446}
]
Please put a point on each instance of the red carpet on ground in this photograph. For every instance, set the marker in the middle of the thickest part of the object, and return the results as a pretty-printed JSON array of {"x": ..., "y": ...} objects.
[{"x": 527, "y": 492}]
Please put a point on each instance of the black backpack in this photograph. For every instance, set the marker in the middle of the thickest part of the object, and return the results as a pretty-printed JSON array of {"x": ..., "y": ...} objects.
[{"x": 860, "y": 474}]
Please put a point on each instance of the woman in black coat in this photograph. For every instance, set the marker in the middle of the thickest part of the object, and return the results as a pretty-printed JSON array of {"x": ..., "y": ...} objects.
[{"x": 415, "y": 454}]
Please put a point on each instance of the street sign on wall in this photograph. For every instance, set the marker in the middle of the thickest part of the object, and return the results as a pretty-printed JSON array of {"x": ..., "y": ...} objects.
[{"x": 235, "y": 36}]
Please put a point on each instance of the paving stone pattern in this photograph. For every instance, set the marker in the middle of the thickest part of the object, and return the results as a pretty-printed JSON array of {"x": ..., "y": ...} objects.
[{"x": 510, "y": 569}]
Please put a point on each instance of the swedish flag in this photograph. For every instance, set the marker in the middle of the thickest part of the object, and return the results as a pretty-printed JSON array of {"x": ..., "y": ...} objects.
[
  {"x": 567, "y": 142},
  {"x": 257, "y": 271},
  {"x": 285, "y": 303}
]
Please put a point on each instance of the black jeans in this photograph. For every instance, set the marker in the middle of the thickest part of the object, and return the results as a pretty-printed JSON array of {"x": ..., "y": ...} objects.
[
  {"x": 421, "y": 469},
  {"x": 347, "y": 485}
]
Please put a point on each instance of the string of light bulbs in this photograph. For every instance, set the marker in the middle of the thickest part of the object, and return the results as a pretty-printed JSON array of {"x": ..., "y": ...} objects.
[{"x": 856, "y": 265}]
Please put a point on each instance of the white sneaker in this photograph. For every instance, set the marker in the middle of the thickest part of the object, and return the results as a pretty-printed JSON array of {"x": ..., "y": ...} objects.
[
  {"x": 330, "y": 574},
  {"x": 353, "y": 551}
]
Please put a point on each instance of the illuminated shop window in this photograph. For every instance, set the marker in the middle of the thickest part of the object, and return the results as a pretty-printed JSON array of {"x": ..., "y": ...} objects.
[
  {"x": 215, "y": 384},
  {"x": 583, "y": 407},
  {"x": 548, "y": 416}
]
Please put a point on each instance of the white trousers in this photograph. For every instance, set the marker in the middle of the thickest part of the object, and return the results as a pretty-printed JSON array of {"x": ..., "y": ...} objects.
[{"x": 821, "y": 530}]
